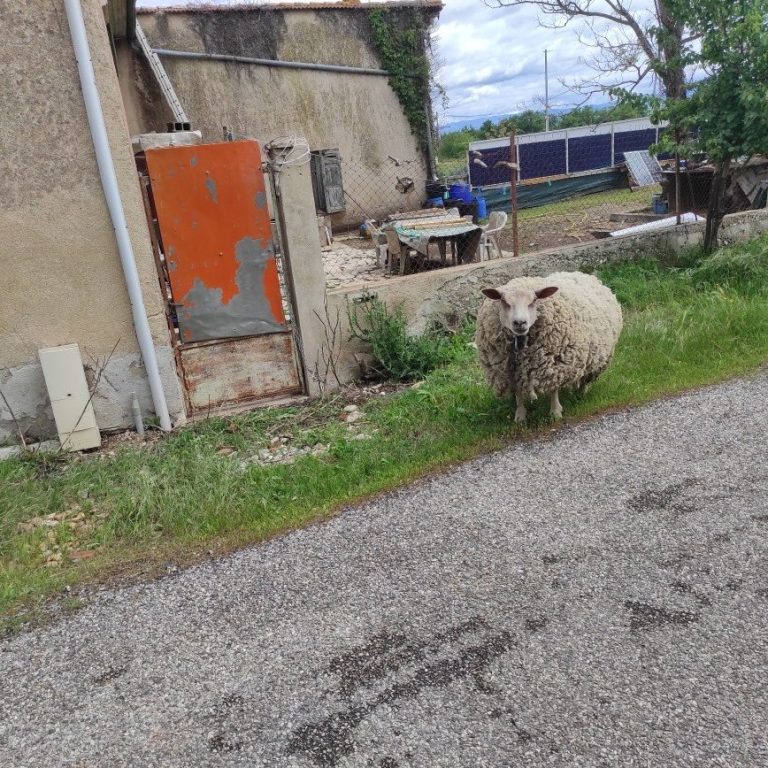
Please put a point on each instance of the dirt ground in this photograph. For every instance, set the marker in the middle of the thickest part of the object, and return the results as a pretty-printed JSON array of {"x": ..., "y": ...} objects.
[
  {"x": 549, "y": 229},
  {"x": 352, "y": 259}
]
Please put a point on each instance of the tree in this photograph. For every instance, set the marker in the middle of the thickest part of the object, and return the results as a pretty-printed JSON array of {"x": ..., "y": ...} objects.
[
  {"x": 728, "y": 110},
  {"x": 588, "y": 115},
  {"x": 528, "y": 121},
  {"x": 630, "y": 44}
]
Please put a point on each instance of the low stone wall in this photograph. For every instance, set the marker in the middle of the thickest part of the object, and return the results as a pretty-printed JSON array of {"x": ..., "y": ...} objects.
[{"x": 448, "y": 295}]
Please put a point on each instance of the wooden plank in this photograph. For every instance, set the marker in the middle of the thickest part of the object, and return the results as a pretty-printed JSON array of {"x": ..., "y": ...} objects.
[{"x": 239, "y": 370}]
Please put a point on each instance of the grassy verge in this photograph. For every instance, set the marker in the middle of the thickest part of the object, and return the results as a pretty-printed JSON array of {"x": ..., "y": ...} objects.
[{"x": 69, "y": 521}]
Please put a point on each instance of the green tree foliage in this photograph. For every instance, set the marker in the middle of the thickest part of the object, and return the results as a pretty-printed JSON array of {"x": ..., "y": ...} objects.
[
  {"x": 729, "y": 108},
  {"x": 454, "y": 145}
]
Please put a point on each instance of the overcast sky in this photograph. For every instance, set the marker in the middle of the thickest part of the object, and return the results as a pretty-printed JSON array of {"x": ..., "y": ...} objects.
[{"x": 492, "y": 59}]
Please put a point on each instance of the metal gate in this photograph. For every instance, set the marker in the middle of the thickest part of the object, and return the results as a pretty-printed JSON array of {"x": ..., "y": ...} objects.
[{"x": 225, "y": 303}]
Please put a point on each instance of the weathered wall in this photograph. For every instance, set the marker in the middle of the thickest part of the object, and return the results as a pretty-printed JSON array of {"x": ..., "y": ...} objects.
[
  {"x": 358, "y": 114},
  {"x": 448, "y": 295},
  {"x": 61, "y": 277}
]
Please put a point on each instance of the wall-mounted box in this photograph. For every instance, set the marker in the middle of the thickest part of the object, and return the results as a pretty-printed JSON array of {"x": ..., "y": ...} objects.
[
  {"x": 70, "y": 399},
  {"x": 327, "y": 183}
]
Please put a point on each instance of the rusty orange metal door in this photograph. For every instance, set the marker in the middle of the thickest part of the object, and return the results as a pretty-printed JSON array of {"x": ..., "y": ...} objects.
[{"x": 214, "y": 223}]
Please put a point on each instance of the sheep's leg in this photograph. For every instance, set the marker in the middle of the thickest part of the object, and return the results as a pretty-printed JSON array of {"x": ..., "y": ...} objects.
[
  {"x": 555, "y": 409},
  {"x": 520, "y": 412}
]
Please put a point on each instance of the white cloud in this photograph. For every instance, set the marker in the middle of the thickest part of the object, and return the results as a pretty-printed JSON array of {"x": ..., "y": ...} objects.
[{"x": 492, "y": 59}]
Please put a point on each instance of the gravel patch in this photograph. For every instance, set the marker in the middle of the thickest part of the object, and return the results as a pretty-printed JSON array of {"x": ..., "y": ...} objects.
[{"x": 596, "y": 598}]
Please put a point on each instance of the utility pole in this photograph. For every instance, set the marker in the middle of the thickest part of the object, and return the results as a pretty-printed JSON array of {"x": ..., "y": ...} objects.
[{"x": 546, "y": 92}]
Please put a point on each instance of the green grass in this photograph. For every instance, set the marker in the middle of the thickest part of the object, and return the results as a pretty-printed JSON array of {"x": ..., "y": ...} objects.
[
  {"x": 613, "y": 197},
  {"x": 176, "y": 499}
]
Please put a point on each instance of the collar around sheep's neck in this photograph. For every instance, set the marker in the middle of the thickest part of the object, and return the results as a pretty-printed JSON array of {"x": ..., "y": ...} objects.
[{"x": 519, "y": 343}]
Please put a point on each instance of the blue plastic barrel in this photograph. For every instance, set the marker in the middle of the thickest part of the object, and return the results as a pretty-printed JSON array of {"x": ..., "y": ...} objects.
[
  {"x": 457, "y": 192},
  {"x": 435, "y": 202},
  {"x": 482, "y": 208}
]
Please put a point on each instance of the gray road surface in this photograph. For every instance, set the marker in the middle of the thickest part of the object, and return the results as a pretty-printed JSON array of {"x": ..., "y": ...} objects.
[{"x": 599, "y": 598}]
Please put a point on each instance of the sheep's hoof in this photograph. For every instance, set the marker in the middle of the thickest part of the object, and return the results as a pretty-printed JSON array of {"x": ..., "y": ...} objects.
[
  {"x": 520, "y": 417},
  {"x": 556, "y": 415}
]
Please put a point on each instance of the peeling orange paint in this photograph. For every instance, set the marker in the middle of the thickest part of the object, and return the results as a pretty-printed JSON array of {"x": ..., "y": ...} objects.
[{"x": 208, "y": 199}]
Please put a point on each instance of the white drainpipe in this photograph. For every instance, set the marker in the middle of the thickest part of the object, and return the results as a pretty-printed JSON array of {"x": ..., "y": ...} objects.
[{"x": 115, "y": 205}]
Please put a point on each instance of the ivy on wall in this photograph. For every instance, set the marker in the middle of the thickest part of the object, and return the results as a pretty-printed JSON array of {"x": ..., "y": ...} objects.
[{"x": 399, "y": 39}]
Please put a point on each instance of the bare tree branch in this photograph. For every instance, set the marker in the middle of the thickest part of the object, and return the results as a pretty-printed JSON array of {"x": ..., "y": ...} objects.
[
  {"x": 631, "y": 44},
  {"x": 15, "y": 421}
]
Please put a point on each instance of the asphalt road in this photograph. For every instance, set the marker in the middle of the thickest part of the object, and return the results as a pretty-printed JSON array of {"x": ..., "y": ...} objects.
[{"x": 597, "y": 598}]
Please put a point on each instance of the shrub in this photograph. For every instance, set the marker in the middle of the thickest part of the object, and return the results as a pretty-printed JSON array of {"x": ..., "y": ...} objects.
[{"x": 397, "y": 355}]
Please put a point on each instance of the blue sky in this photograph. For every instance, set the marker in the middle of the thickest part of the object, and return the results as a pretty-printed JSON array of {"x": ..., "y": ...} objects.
[{"x": 492, "y": 59}]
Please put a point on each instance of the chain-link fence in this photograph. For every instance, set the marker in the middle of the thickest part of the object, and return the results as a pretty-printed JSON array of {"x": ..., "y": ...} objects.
[
  {"x": 527, "y": 193},
  {"x": 354, "y": 198}
]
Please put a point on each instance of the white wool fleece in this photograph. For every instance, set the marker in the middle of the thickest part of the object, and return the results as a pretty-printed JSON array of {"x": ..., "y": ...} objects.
[{"x": 570, "y": 344}]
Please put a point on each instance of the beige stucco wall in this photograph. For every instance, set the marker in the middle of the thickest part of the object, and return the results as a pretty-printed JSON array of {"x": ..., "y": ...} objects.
[
  {"x": 358, "y": 114},
  {"x": 61, "y": 279}
]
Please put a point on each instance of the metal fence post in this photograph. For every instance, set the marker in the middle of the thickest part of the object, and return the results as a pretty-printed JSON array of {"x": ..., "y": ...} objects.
[{"x": 513, "y": 193}]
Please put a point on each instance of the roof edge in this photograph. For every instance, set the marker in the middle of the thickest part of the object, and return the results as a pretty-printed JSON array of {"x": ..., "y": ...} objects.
[{"x": 339, "y": 5}]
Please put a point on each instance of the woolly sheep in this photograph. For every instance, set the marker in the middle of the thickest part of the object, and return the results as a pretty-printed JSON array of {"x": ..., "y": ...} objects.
[{"x": 538, "y": 335}]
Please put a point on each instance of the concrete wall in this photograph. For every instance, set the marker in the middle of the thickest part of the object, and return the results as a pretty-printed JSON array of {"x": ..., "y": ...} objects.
[
  {"x": 358, "y": 114},
  {"x": 61, "y": 277},
  {"x": 448, "y": 295}
]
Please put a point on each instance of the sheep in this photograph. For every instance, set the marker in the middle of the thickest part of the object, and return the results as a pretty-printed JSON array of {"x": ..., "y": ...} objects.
[{"x": 538, "y": 335}]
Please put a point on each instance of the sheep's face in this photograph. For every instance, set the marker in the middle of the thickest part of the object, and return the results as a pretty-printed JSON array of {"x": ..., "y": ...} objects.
[{"x": 518, "y": 307}]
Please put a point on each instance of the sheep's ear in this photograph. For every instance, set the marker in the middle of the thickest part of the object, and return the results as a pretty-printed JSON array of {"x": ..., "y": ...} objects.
[
  {"x": 491, "y": 293},
  {"x": 545, "y": 293}
]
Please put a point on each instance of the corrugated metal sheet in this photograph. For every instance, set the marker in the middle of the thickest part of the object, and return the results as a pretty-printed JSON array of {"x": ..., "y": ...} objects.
[{"x": 644, "y": 169}]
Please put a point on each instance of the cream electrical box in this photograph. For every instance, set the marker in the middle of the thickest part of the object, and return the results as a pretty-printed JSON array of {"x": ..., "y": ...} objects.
[{"x": 70, "y": 399}]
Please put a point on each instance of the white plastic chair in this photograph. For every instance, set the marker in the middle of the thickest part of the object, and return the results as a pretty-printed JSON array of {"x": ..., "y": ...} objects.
[{"x": 490, "y": 237}]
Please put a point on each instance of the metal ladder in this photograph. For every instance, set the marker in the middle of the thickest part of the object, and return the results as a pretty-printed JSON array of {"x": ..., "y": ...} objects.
[{"x": 179, "y": 115}]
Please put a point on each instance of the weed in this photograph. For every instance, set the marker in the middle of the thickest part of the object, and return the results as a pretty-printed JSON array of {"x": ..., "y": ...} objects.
[{"x": 398, "y": 355}]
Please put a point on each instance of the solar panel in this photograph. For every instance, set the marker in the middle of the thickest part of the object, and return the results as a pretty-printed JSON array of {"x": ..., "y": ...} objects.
[{"x": 643, "y": 168}]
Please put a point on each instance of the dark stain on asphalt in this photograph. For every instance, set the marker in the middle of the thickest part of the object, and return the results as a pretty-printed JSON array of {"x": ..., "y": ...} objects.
[
  {"x": 220, "y": 740},
  {"x": 447, "y": 656},
  {"x": 550, "y": 559},
  {"x": 677, "y": 561},
  {"x": 684, "y": 588},
  {"x": 665, "y": 499},
  {"x": 113, "y": 673},
  {"x": 760, "y": 518},
  {"x": 645, "y": 616},
  {"x": 534, "y": 625},
  {"x": 523, "y": 736}
]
